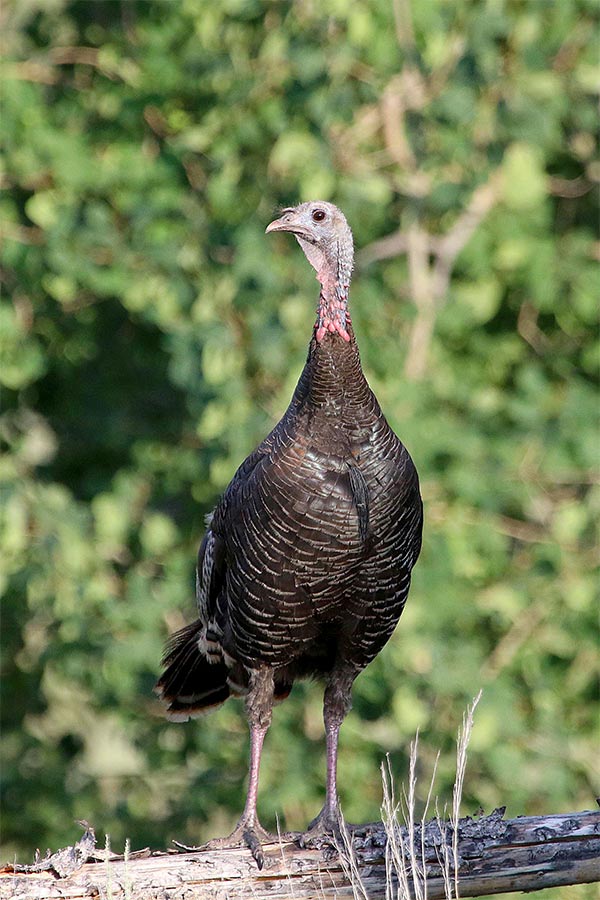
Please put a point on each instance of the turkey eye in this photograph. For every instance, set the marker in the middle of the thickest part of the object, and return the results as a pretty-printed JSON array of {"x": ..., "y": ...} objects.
[{"x": 318, "y": 215}]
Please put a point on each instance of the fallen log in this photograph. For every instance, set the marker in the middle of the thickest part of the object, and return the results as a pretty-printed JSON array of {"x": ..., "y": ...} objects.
[{"x": 494, "y": 855}]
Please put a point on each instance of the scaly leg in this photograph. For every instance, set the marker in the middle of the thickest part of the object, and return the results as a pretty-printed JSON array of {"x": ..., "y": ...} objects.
[
  {"x": 336, "y": 704},
  {"x": 248, "y": 831}
]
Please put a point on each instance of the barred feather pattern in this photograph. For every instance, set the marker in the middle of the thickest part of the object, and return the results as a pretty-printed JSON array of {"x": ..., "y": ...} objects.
[{"x": 307, "y": 560}]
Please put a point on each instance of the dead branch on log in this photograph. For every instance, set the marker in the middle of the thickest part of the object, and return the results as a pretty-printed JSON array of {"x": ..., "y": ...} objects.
[{"x": 494, "y": 856}]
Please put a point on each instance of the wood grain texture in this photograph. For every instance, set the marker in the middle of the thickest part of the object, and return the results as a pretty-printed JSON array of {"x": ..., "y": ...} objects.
[{"x": 495, "y": 856}]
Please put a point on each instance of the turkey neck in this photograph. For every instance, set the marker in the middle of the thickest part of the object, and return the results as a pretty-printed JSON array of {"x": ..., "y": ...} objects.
[
  {"x": 332, "y": 311},
  {"x": 333, "y": 382},
  {"x": 336, "y": 383},
  {"x": 334, "y": 277}
]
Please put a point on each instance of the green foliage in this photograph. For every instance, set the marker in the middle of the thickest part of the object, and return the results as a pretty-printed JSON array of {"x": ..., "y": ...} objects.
[{"x": 151, "y": 335}]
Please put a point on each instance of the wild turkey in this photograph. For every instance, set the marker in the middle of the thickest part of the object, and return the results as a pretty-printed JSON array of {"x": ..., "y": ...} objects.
[{"x": 306, "y": 563}]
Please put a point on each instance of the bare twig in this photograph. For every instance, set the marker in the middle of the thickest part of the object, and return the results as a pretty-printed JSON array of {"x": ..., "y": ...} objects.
[
  {"x": 38, "y": 72},
  {"x": 44, "y": 69},
  {"x": 482, "y": 201},
  {"x": 392, "y": 120},
  {"x": 385, "y": 248},
  {"x": 67, "y": 860},
  {"x": 68, "y": 56},
  {"x": 422, "y": 295},
  {"x": 431, "y": 260},
  {"x": 405, "y": 33}
]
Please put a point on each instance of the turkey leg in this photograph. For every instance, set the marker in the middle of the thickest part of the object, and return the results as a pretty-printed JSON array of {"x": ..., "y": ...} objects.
[
  {"x": 336, "y": 704},
  {"x": 248, "y": 831}
]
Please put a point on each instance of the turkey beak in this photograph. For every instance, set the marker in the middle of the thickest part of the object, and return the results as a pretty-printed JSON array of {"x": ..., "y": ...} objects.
[
  {"x": 278, "y": 225},
  {"x": 286, "y": 224}
]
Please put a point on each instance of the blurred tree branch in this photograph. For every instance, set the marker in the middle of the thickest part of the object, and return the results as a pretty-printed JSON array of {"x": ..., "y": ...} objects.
[{"x": 431, "y": 260}]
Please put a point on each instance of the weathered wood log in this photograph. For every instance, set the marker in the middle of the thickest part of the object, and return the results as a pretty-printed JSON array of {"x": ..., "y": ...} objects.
[{"x": 494, "y": 856}]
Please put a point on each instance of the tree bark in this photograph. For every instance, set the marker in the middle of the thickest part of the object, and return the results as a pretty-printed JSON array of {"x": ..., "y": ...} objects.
[{"x": 494, "y": 856}]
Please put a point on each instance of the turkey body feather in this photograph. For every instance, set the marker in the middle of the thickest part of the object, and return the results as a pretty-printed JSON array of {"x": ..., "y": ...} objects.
[{"x": 308, "y": 556}]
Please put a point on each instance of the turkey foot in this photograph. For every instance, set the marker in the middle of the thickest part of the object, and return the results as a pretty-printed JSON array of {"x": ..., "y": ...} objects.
[
  {"x": 324, "y": 833},
  {"x": 248, "y": 834}
]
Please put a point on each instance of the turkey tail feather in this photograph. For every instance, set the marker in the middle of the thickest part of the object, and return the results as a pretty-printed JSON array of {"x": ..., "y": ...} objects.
[{"x": 190, "y": 684}]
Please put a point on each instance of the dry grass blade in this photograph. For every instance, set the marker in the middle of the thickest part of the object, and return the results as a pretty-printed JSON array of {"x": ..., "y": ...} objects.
[
  {"x": 405, "y": 849},
  {"x": 443, "y": 853},
  {"x": 464, "y": 736},
  {"x": 406, "y": 857},
  {"x": 395, "y": 852},
  {"x": 107, "y": 852},
  {"x": 349, "y": 862}
]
